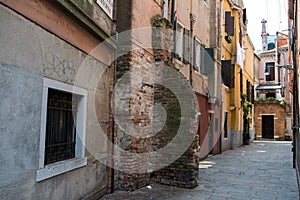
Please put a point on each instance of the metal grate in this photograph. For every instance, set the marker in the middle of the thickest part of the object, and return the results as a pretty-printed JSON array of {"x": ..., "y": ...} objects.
[{"x": 60, "y": 127}]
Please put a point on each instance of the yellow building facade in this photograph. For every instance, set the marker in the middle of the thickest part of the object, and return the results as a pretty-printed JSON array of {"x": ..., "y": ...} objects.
[{"x": 237, "y": 73}]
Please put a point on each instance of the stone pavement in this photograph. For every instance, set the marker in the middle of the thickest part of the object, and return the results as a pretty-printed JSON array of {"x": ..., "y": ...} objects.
[{"x": 260, "y": 171}]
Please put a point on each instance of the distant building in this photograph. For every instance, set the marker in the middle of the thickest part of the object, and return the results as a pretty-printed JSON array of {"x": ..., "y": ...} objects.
[{"x": 273, "y": 96}]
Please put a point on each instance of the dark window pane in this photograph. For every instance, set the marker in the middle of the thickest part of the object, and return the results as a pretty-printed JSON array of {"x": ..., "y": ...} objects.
[
  {"x": 244, "y": 16},
  {"x": 60, "y": 127},
  {"x": 226, "y": 125},
  {"x": 270, "y": 95},
  {"x": 271, "y": 71}
]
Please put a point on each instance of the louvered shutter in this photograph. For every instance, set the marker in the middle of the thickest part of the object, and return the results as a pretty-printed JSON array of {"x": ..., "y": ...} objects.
[{"x": 229, "y": 23}]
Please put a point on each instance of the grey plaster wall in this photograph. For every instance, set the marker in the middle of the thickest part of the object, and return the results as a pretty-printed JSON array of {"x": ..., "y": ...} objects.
[{"x": 27, "y": 54}]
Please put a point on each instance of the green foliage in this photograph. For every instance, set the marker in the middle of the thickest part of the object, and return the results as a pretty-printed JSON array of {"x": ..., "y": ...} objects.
[
  {"x": 247, "y": 110},
  {"x": 281, "y": 101},
  {"x": 160, "y": 22}
]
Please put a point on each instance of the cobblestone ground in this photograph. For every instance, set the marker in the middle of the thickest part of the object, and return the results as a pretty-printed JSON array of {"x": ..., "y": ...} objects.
[{"x": 260, "y": 171}]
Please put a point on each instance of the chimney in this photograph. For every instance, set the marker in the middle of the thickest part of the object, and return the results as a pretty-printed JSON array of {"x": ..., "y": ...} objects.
[{"x": 264, "y": 35}]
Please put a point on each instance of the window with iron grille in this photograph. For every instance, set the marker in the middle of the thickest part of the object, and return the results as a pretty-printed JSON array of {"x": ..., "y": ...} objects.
[
  {"x": 60, "y": 127},
  {"x": 63, "y": 126}
]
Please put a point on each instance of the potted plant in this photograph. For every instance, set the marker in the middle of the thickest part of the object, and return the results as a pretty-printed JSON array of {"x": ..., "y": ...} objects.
[
  {"x": 246, "y": 133},
  {"x": 247, "y": 110},
  {"x": 228, "y": 38}
]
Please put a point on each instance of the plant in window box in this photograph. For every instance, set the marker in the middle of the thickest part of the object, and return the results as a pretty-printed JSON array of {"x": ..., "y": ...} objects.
[{"x": 228, "y": 38}]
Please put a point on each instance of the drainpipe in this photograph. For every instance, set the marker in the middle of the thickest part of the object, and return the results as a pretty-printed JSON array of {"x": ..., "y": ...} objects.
[
  {"x": 172, "y": 11},
  {"x": 295, "y": 88},
  {"x": 192, "y": 20}
]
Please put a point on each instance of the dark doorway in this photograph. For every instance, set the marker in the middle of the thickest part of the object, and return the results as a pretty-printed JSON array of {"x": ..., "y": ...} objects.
[{"x": 268, "y": 126}]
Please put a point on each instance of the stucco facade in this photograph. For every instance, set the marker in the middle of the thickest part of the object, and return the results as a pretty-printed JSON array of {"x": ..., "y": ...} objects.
[
  {"x": 37, "y": 54},
  {"x": 237, "y": 69}
]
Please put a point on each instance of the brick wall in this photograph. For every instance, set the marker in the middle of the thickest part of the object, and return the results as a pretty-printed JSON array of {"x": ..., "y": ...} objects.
[
  {"x": 145, "y": 66},
  {"x": 270, "y": 108}
]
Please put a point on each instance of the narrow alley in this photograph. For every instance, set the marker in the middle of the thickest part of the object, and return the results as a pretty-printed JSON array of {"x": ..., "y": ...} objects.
[
  {"x": 149, "y": 99},
  {"x": 262, "y": 170}
]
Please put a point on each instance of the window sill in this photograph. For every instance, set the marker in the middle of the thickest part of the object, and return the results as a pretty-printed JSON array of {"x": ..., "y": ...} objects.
[{"x": 61, "y": 167}]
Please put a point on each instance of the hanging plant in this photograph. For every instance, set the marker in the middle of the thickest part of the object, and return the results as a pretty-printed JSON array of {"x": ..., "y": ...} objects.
[{"x": 247, "y": 110}]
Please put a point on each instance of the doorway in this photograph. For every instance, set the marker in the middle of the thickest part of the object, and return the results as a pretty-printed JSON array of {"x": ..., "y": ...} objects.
[{"x": 267, "y": 126}]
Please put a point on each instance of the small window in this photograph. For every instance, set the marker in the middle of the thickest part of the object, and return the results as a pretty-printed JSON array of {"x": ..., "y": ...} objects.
[
  {"x": 206, "y": 2},
  {"x": 60, "y": 126},
  {"x": 249, "y": 91},
  {"x": 179, "y": 41},
  {"x": 62, "y": 138},
  {"x": 270, "y": 95},
  {"x": 270, "y": 71},
  {"x": 226, "y": 125},
  {"x": 229, "y": 23},
  {"x": 228, "y": 73}
]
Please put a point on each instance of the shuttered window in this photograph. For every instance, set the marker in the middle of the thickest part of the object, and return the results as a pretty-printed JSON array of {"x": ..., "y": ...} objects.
[
  {"x": 228, "y": 74},
  {"x": 203, "y": 58},
  {"x": 249, "y": 91},
  {"x": 229, "y": 23},
  {"x": 244, "y": 16},
  {"x": 226, "y": 125}
]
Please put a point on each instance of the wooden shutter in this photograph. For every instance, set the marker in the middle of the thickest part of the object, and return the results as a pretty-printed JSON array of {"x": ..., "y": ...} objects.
[
  {"x": 241, "y": 38},
  {"x": 229, "y": 23},
  {"x": 228, "y": 74},
  {"x": 244, "y": 16},
  {"x": 248, "y": 91}
]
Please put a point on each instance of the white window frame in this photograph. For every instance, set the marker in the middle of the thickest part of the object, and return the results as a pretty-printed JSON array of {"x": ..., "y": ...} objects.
[{"x": 54, "y": 169}]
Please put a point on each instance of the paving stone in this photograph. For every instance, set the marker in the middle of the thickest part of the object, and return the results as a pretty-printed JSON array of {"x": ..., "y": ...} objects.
[{"x": 262, "y": 170}]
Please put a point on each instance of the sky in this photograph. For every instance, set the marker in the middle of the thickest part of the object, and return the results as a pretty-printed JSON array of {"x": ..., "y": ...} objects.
[{"x": 274, "y": 11}]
